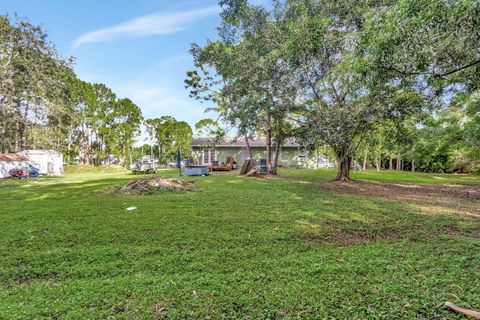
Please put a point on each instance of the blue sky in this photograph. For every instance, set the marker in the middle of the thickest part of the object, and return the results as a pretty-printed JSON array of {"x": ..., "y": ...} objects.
[{"x": 138, "y": 48}]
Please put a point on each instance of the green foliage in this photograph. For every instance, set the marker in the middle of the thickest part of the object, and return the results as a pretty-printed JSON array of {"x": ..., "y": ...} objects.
[
  {"x": 435, "y": 44},
  {"x": 210, "y": 129},
  {"x": 250, "y": 83},
  {"x": 103, "y": 126},
  {"x": 334, "y": 72},
  {"x": 347, "y": 95},
  {"x": 44, "y": 105},
  {"x": 32, "y": 81},
  {"x": 435, "y": 39},
  {"x": 300, "y": 68},
  {"x": 444, "y": 142},
  {"x": 170, "y": 135}
]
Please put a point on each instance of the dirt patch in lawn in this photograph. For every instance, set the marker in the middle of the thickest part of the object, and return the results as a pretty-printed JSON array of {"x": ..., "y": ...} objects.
[{"x": 463, "y": 199}]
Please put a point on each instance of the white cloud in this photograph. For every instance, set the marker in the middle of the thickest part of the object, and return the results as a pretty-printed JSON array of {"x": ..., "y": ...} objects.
[
  {"x": 157, "y": 98},
  {"x": 175, "y": 60},
  {"x": 156, "y": 24}
]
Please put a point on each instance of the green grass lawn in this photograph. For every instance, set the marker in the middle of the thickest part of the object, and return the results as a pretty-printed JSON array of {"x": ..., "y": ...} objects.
[
  {"x": 388, "y": 176},
  {"x": 237, "y": 247}
]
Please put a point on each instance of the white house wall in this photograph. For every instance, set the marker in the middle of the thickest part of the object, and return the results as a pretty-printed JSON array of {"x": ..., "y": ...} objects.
[{"x": 6, "y": 166}]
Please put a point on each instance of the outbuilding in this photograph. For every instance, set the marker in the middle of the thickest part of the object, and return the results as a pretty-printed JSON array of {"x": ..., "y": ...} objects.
[
  {"x": 9, "y": 161},
  {"x": 50, "y": 162}
]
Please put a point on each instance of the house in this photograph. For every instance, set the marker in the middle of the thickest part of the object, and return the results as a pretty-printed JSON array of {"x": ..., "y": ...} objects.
[
  {"x": 49, "y": 162},
  {"x": 292, "y": 154},
  {"x": 9, "y": 161}
]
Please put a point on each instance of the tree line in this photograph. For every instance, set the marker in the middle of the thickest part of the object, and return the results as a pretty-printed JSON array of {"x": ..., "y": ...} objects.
[
  {"x": 169, "y": 135},
  {"x": 44, "y": 105},
  {"x": 380, "y": 82}
]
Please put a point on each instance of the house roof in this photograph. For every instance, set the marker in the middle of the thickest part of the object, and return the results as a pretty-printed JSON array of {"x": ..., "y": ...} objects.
[
  {"x": 38, "y": 152},
  {"x": 238, "y": 142},
  {"x": 12, "y": 157}
]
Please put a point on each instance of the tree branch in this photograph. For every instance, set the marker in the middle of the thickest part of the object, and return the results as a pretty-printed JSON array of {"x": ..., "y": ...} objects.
[{"x": 437, "y": 75}]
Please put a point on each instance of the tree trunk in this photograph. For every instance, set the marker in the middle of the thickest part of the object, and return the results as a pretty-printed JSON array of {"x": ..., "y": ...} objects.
[
  {"x": 3, "y": 130},
  {"x": 275, "y": 160},
  {"x": 413, "y": 165},
  {"x": 88, "y": 146},
  {"x": 17, "y": 136},
  {"x": 25, "y": 128},
  {"x": 69, "y": 146},
  {"x": 365, "y": 159},
  {"x": 24, "y": 136},
  {"x": 269, "y": 147},
  {"x": 390, "y": 163},
  {"x": 398, "y": 162},
  {"x": 249, "y": 149},
  {"x": 161, "y": 154},
  {"x": 378, "y": 164},
  {"x": 344, "y": 163}
]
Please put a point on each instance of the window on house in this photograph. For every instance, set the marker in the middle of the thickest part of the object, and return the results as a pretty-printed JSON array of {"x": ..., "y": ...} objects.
[
  {"x": 212, "y": 156},
  {"x": 205, "y": 156},
  {"x": 209, "y": 155}
]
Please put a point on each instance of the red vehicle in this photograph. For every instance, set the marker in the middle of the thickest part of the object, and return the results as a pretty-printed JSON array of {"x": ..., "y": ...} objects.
[{"x": 17, "y": 173}]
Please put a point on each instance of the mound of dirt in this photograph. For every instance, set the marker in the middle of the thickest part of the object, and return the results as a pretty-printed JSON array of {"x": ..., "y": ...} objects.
[{"x": 149, "y": 185}]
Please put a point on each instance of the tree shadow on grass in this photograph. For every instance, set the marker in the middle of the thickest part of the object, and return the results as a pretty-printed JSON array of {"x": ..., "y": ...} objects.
[
  {"x": 60, "y": 190},
  {"x": 354, "y": 218},
  {"x": 46, "y": 188}
]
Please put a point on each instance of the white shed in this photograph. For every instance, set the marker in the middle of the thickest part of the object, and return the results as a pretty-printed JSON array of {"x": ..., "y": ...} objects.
[
  {"x": 9, "y": 161},
  {"x": 49, "y": 162}
]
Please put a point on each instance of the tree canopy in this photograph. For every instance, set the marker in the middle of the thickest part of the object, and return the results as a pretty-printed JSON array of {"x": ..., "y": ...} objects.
[
  {"x": 170, "y": 135},
  {"x": 342, "y": 72},
  {"x": 44, "y": 105}
]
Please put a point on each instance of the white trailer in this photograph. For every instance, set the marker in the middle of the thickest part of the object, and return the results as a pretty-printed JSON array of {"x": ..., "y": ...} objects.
[{"x": 50, "y": 162}]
